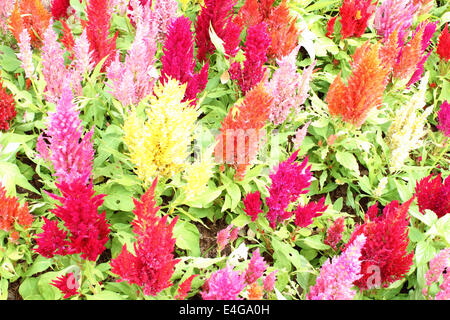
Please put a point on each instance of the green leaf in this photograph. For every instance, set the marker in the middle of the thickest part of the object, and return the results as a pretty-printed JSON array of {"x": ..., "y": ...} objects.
[
  {"x": 187, "y": 237},
  {"x": 235, "y": 193},
  {"x": 29, "y": 288},
  {"x": 105, "y": 295},
  {"x": 314, "y": 242},
  {"x": 347, "y": 160},
  {"x": 39, "y": 265}
]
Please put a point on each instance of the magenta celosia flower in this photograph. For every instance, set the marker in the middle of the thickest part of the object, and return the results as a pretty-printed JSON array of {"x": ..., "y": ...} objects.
[
  {"x": 335, "y": 281},
  {"x": 444, "y": 118},
  {"x": 334, "y": 233},
  {"x": 289, "y": 180},
  {"x": 26, "y": 54},
  {"x": 255, "y": 51},
  {"x": 71, "y": 154},
  {"x": 217, "y": 14},
  {"x": 255, "y": 268},
  {"x": 394, "y": 14},
  {"x": 67, "y": 284},
  {"x": 224, "y": 284},
  {"x": 152, "y": 264},
  {"x": 53, "y": 67},
  {"x": 288, "y": 88},
  {"x": 253, "y": 204},
  {"x": 178, "y": 59},
  {"x": 304, "y": 215},
  {"x": 434, "y": 194},
  {"x": 52, "y": 241},
  {"x": 269, "y": 281}
]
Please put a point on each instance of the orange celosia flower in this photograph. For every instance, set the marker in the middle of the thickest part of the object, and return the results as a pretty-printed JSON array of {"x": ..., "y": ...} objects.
[
  {"x": 32, "y": 15},
  {"x": 365, "y": 87},
  {"x": 240, "y": 136},
  {"x": 389, "y": 50},
  {"x": 410, "y": 57},
  {"x": 255, "y": 292},
  {"x": 11, "y": 212}
]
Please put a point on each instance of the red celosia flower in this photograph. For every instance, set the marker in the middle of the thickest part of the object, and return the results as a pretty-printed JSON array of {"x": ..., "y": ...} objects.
[
  {"x": 97, "y": 30},
  {"x": 59, "y": 8},
  {"x": 67, "y": 284},
  {"x": 30, "y": 15},
  {"x": 255, "y": 50},
  {"x": 152, "y": 264},
  {"x": 334, "y": 233},
  {"x": 52, "y": 241},
  {"x": 289, "y": 180},
  {"x": 434, "y": 195},
  {"x": 252, "y": 204},
  {"x": 444, "y": 118},
  {"x": 443, "y": 47},
  {"x": 384, "y": 258},
  {"x": 239, "y": 141},
  {"x": 365, "y": 87},
  {"x": 67, "y": 38},
  {"x": 304, "y": 215},
  {"x": 178, "y": 59},
  {"x": 218, "y": 14},
  {"x": 12, "y": 212},
  {"x": 330, "y": 27},
  {"x": 185, "y": 287},
  {"x": 354, "y": 15},
  {"x": 7, "y": 108}
]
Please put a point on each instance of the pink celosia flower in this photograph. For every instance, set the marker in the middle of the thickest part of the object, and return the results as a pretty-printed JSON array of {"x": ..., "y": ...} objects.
[
  {"x": 444, "y": 293},
  {"x": 6, "y": 9},
  {"x": 300, "y": 135},
  {"x": 288, "y": 88},
  {"x": 52, "y": 241},
  {"x": 255, "y": 51},
  {"x": 224, "y": 284},
  {"x": 252, "y": 204},
  {"x": 269, "y": 281},
  {"x": 433, "y": 194},
  {"x": 437, "y": 266},
  {"x": 185, "y": 287},
  {"x": 152, "y": 264},
  {"x": 53, "y": 67},
  {"x": 82, "y": 62},
  {"x": 225, "y": 236},
  {"x": 444, "y": 118},
  {"x": 443, "y": 47},
  {"x": 289, "y": 180},
  {"x": 71, "y": 154},
  {"x": 334, "y": 233},
  {"x": 67, "y": 284},
  {"x": 178, "y": 59},
  {"x": 234, "y": 234},
  {"x": 394, "y": 14},
  {"x": 304, "y": 215},
  {"x": 26, "y": 54},
  {"x": 165, "y": 14},
  {"x": 335, "y": 281},
  {"x": 255, "y": 268}
]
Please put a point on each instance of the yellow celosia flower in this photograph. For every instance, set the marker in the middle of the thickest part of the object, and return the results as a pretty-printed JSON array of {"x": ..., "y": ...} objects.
[
  {"x": 407, "y": 129},
  {"x": 197, "y": 176},
  {"x": 159, "y": 145}
]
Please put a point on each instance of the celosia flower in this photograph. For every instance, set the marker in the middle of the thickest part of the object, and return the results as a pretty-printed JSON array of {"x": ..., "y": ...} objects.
[
  {"x": 59, "y": 8},
  {"x": 224, "y": 237},
  {"x": 437, "y": 266},
  {"x": 7, "y": 108},
  {"x": 288, "y": 88},
  {"x": 178, "y": 59},
  {"x": 152, "y": 264},
  {"x": 354, "y": 16},
  {"x": 224, "y": 284},
  {"x": 304, "y": 215},
  {"x": 444, "y": 118},
  {"x": 239, "y": 140},
  {"x": 255, "y": 292},
  {"x": 385, "y": 250},
  {"x": 52, "y": 241},
  {"x": 364, "y": 89},
  {"x": 334, "y": 233},
  {"x": 165, "y": 14},
  {"x": 330, "y": 27},
  {"x": 67, "y": 38},
  {"x": 218, "y": 15},
  {"x": 269, "y": 281},
  {"x": 336, "y": 278},
  {"x": 434, "y": 194},
  {"x": 255, "y": 51},
  {"x": 197, "y": 176},
  {"x": 443, "y": 47},
  {"x": 253, "y": 204},
  {"x": 67, "y": 284},
  {"x": 12, "y": 212},
  {"x": 300, "y": 135},
  {"x": 97, "y": 27},
  {"x": 423, "y": 6},
  {"x": 30, "y": 15},
  {"x": 256, "y": 267},
  {"x": 289, "y": 180},
  {"x": 82, "y": 62},
  {"x": 444, "y": 293},
  {"x": 394, "y": 15},
  {"x": 71, "y": 154},
  {"x": 6, "y": 9},
  {"x": 185, "y": 287},
  {"x": 53, "y": 67},
  {"x": 26, "y": 54},
  {"x": 407, "y": 128},
  {"x": 159, "y": 146}
]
